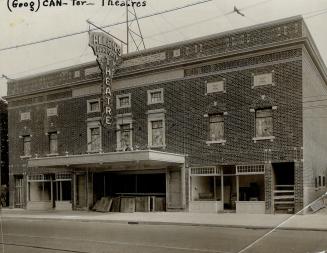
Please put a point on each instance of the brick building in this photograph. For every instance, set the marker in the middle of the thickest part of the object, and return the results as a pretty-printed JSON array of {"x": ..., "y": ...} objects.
[
  {"x": 4, "y": 173},
  {"x": 224, "y": 122}
]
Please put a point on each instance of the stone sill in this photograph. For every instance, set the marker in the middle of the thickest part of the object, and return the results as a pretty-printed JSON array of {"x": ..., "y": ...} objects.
[
  {"x": 25, "y": 156},
  {"x": 162, "y": 146},
  {"x": 52, "y": 154},
  {"x": 216, "y": 142},
  {"x": 271, "y": 138}
]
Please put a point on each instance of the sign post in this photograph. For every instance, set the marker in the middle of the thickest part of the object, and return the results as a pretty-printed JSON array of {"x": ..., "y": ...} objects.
[{"x": 108, "y": 54}]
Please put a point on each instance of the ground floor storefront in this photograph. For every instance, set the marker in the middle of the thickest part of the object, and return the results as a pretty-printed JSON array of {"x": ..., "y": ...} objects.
[
  {"x": 247, "y": 188},
  {"x": 147, "y": 181},
  {"x": 132, "y": 181}
]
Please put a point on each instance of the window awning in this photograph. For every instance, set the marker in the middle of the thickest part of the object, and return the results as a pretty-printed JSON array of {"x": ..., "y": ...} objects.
[{"x": 145, "y": 157}]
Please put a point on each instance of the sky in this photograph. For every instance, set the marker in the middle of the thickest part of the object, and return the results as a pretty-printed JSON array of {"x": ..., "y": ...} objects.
[{"x": 23, "y": 26}]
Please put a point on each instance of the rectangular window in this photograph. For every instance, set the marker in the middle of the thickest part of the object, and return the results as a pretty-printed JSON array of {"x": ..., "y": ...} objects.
[
  {"x": 264, "y": 123},
  {"x": 95, "y": 139},
  {"x": 93, "y": 105},
  {"x": 125, "y": 136},
  {"x": 39, "y": 191},
  {"x": 27, "y": 145},
  {"x": 155, "y": 96},
  {"x": 123, "y": 101},
  {"x": 53, "y": 143},
  {"x": 157, "y": 133},
  {"x": 216, "y": 127}
]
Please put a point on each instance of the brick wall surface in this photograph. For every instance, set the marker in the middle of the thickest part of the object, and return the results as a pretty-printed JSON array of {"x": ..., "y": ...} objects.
[{"x": 185, "y": 105}]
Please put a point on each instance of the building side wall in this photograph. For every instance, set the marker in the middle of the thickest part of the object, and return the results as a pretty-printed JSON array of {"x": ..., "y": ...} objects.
[{"x": 314, "y": 129}]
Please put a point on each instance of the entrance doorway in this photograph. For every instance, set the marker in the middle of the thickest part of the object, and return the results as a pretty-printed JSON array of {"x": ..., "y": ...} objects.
[
  {"x": 283, "y": 181},
  {"x": 230, "y": 194},
  {"x": 81, "y": 198}
]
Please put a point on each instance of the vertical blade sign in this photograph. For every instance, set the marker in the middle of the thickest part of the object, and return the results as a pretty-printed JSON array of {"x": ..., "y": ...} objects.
[{"x": 108, "y": 54}]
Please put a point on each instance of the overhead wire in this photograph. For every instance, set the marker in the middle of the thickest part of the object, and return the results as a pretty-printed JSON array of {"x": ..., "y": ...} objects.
[
  {"x": 104, "y": 26},
  {"x": 149, "y": 37}
]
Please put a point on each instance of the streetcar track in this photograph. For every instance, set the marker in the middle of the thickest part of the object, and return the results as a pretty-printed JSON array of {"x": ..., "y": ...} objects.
[
  {"x": 120, "y": 243},
  {"x": 40, "y": 247}
]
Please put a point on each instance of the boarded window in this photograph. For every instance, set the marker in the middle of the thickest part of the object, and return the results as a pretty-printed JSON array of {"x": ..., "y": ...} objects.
[
  {"x": 52, "y": 111},
  {"x": 53, "y": 143},
  {"x": 218, "y": 86},
  {"x": 125, "y": 135},
  {"x": 264, "y": 123},
  {"x": 27, "y": 145},
  {"x": 262, "y": 79},
  {"x": 95, "y": 139},
  {"x": 216, "y": 127},
  {"x": 157, "y": 133},
  {"x": 25, "y": 116}
]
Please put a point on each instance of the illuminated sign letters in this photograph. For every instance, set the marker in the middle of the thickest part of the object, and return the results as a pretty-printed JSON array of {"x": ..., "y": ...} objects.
[{"x": 108, "y": 53}]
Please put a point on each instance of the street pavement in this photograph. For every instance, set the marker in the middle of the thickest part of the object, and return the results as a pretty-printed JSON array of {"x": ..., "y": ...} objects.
[
  {"x": 317, "y": 222},
  {"x": 48, "y": 236}
]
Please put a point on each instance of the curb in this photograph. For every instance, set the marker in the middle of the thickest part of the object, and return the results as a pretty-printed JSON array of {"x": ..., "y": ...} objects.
[{"x": 164, "y": 223}]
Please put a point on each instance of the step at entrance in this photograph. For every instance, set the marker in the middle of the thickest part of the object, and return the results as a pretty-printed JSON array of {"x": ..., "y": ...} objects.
[{"x": 284, "y": 198}]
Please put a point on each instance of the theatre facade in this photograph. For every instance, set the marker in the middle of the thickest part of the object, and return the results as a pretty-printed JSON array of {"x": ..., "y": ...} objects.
[{"x": 221, "y": 123}]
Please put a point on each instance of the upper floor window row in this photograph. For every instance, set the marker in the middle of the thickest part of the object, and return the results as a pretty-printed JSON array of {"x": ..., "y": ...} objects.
[
  {"x": 51, "y": 111},
  {"x": 263, "y": 126}
]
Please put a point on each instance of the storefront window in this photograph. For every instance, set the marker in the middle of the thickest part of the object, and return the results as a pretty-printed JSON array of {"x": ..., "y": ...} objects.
[
  {"x": 40, "y": 191},
  {"x": 206, "y": 188},
  {"x": 251, "y": 188}
]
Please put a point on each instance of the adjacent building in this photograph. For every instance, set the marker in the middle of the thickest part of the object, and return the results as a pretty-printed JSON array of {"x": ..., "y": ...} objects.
[
  {"x": 4, "y": 170},
  {"x": 227, "y": 122}
]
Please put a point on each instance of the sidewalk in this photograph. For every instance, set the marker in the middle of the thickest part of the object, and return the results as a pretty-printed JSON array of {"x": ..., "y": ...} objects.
[{"x": 316, "y": 222}]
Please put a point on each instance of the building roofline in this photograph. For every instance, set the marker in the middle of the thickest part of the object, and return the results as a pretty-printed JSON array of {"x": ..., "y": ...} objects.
[
  {"x": 167, "y": 46},
  {"x": 217, "y": 35}
]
